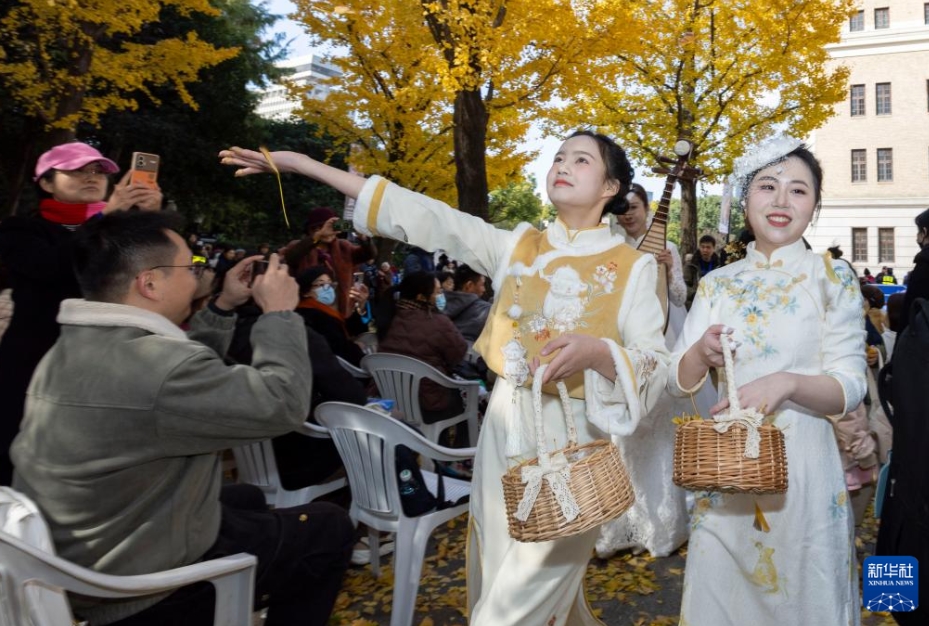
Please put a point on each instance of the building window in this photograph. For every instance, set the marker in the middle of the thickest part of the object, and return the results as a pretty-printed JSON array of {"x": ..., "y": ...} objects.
[
  {"x": 885, "y": 245},
  {"x": 859, "y": 166},
  {"x": 859, "y": 245},
  {"x": 926, "y": 13},
  {"x": 857, "y": 99},
  {"x": 882, "y": 98},
  {"x": 856, "y": 23},
  {"x": 882, "y": 18},
  {"x": 885, "y": 164}
]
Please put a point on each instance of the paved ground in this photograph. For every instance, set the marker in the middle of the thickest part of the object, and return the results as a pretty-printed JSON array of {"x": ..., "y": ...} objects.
[{"x": 624, "y": 590}]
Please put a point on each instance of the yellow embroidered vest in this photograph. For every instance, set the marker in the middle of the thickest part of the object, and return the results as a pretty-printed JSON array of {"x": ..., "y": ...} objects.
[{"x": 572, "y": 293}]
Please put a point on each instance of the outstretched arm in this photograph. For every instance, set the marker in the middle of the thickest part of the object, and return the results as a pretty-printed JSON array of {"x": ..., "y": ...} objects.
[{"x": 251, "y": 162}]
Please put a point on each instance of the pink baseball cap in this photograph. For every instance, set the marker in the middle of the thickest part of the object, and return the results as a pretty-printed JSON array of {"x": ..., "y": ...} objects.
[{"x": 72, "y": 156}]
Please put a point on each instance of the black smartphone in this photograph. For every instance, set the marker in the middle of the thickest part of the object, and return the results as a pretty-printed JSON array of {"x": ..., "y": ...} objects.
[
  {"x": 258, "y": 268},
  {"x": 343, "y": 226}
]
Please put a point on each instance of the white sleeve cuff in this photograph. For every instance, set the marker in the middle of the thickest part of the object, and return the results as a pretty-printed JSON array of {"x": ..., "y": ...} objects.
[{"x": 613, "y": 406}]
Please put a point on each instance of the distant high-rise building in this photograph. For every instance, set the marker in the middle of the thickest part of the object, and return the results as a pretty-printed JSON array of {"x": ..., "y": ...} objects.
[
  {"x": 875, "y": 151},
  {"x": 306, "y": 71}
]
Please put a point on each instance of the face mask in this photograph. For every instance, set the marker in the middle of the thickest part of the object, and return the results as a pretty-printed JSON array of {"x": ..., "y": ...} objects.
[
  {"x": 440, "y": 302},
  {"x": 325, "y": 294}
]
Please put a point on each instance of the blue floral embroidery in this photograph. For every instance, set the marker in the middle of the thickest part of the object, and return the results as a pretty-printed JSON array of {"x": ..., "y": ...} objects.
[
  {"x": 838, "y": 505},
  {"x": 753, "y": 298},
  {"x": 703, "y": 502}
]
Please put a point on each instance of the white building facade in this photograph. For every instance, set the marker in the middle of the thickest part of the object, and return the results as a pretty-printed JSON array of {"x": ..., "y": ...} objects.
[
  {"x": 307, "y": 71},
  {"x": 875, "y": 151}
]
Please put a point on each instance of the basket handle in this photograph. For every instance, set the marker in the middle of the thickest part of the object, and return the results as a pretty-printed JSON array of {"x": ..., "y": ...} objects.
[
  {"x": 544, "y": 456},
  {"x": 731, "y": 389},
  {"x": 751, "y": 419}
]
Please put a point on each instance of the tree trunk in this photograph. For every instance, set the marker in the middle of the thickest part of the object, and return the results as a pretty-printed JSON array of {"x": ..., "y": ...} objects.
[
  {"x": 19, "y": 166},
  {"x": 471, "y": 119},
  {"x": 688, "y": 216}
]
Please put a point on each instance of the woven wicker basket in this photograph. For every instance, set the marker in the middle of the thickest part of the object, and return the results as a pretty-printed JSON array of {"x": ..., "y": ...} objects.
[
  {"x": 708, "y": 460},
  {"x": 705, "y": 460},
  {"x": 598, "y": 483}
]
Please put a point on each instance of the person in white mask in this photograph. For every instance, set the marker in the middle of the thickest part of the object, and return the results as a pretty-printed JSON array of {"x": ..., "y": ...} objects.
[{"x": 318, "y": 309}]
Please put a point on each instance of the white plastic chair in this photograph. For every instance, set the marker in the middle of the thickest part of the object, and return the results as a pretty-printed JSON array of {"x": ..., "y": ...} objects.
[
  {"x": 33, "y": 581},
  {"x": 367, "y": 442},
  {"x": 368, "y": 342},
  {"x": 398, "y": 377},
  {"x": 357, "y": 372},
  {"x": 257, "y": 466}
]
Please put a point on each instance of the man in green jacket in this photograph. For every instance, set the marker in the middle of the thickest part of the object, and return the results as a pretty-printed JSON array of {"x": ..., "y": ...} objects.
[{"x": 126, "y": 417}]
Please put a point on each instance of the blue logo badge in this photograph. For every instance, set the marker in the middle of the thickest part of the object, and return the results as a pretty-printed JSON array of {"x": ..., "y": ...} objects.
[{"x": 890, "y": 583}]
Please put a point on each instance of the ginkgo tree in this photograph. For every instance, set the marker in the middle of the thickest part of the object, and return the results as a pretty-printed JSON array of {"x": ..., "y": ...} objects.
[
  {"x": 443, "y": 91},
  {"x": 70, "y": 61},
  {"x": 721, "y": 73}
]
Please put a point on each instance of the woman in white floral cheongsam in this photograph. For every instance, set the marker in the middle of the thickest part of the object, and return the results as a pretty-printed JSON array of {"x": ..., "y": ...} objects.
[{"x": 797, "y": 319}]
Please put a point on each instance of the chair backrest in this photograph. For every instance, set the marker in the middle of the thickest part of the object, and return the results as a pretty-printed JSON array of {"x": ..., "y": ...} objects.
[
  {"x": 368, "y": 342},
  {"x": 357, "y": 372},
  {"x": 366, "y": 441},
  {"x": 398, "y": 377},
  {"x": 33, "y": 580},
  {"x": 256, "y": 465},
  {"x": 21, "y": 519}
]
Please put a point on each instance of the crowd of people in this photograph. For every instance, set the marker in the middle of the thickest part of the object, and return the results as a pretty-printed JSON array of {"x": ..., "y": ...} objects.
[{"x": 137, "y": 353}]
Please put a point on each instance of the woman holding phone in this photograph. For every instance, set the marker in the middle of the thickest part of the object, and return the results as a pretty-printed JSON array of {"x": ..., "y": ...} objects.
[
  {"x": 36, "y": 249},
  {"x": 317, "y": 307}
]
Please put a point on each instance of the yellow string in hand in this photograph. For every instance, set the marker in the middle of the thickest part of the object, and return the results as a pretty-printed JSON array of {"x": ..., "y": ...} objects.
[{"x": 280, "y": 187}]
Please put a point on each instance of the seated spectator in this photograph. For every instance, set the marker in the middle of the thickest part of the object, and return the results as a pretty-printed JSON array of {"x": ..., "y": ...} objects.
[
  {"x": 321, "y": 245},
  {"x": 303, "y": 461},
  {"x": 120, "y": 444},
  {"x": 412, "y": 325},
  {"x": 317, "y": 307},
  {"x": 465, "y": 305}
]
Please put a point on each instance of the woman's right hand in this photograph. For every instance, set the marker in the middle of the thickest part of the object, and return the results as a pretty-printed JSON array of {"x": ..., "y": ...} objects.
[
  {"x": 253, "y": 162},
  {"x": 127, "y": 195},
  {"x": 706, "y": 353},
  {"x": 276, "y": 290},
  {"x": 709, "y": 348}
]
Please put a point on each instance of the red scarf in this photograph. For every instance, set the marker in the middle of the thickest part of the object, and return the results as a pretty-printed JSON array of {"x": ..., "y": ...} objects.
[{"x": 67, "y": 212}]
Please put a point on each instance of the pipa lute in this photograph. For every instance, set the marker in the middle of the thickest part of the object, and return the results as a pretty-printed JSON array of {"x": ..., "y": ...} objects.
[{"x": 656, "y": 237}]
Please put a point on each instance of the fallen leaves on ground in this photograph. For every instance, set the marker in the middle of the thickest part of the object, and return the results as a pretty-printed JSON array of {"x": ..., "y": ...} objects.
[{"x": 626, "y": 589}]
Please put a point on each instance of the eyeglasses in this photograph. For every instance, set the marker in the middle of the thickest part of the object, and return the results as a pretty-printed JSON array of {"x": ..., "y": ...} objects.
[
  {"x": 196, "y": 269},
  {"x": 89, "y": 170}
]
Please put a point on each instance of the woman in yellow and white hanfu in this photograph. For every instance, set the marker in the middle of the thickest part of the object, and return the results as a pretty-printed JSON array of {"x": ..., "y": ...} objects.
[{"x": 574, "y": 296}]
